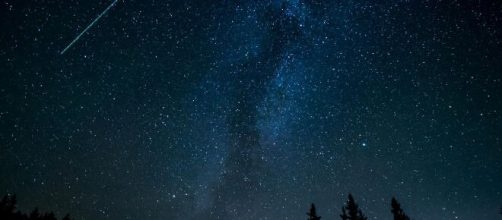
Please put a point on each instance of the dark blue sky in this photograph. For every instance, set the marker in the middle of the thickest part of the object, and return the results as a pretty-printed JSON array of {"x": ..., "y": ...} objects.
[{"x": 252, "y": 109}]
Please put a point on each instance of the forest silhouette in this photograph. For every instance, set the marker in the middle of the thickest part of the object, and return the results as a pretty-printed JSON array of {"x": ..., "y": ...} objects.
[
  {"x": 8, "y": 211},
  {"x": 350, "y": 211}
]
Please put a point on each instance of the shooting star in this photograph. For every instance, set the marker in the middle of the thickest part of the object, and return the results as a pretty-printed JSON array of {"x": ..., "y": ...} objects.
[{"x": 88, "y": 27}]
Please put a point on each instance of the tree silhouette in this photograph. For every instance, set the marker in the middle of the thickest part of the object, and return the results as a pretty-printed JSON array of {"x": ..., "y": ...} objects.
[
  {"x": 35, "y": 214},
  {"x": 48, "y": 216},
  {"x": 8, "y": 211},
  {"x": 344, "y": 215},
  {"x": 351, "y": 210},
  {"x": 8, "y": 206},
  {"x": 397, "y": 211},
  {"x": 312, "y": 213}
]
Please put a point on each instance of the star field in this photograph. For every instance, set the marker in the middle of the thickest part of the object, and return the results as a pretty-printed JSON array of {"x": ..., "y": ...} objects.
[{"x": 252, "y": 109}]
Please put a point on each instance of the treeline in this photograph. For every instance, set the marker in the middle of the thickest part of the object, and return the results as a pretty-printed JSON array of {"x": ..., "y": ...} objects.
[
  {"x": 351, "y": 211},
  {"x": 8, "y": 211}
]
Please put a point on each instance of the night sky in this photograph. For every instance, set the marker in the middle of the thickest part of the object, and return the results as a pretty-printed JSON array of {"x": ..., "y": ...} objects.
[{"x": 253, "y": 109}]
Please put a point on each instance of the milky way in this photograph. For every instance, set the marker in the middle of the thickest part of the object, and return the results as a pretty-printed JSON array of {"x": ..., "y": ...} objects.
[{"x": 252, "y": 109}]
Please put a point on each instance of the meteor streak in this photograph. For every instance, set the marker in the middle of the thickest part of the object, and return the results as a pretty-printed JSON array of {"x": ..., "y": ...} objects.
[{"x": 88, "y": 27}]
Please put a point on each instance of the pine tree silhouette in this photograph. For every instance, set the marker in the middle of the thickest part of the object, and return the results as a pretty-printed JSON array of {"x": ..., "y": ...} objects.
[
  {"x": 312, "y": 213},
  {"x": 35, "y": 214},
  {"x": 397, "y": 211},
  {"x": 8, "y": 211},
  {"x": 344, "y": 215},
  {"x": 351, "y": 210},
  {"x": 49, "y": 216},
  {"x": 8, "y": 206}
]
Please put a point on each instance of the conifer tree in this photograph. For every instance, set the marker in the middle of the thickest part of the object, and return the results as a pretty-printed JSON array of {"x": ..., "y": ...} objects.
[
  {"x": 48, "y": 216},
  {"x": 397, "y": 211},
  {"x": 344, "y": 215},
  {"x": 35, "y": 214},
  {"x": 351, "y": 210},
  {"x": 312, "y": 213},
  {"x": 8, "y": 206},
  {"x": 8, "y": 211}
]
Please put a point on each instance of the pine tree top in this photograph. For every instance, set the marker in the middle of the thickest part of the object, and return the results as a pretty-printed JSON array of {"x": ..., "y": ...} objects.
[
  {"x": 397, "y": 211},
  {"x": 351, "y": 210},
  {"x": 312, "y": 213}
]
